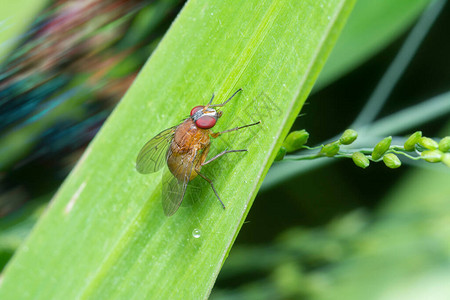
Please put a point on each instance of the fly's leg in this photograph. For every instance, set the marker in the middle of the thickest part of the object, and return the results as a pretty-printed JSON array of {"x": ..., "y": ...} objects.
[
  {"x": 221, "y": 154},
  {"x": 210, "y": 101},
  {"x": 197, "y": 170},
  {"x": 212, "y": 186},
  {"x": 202, "y": 161},
  {"x": 216, "y": 134},
  {"x": 222, "y": 104}
]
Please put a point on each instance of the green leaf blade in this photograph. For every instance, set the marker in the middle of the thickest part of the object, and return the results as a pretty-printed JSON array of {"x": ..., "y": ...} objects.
[{"x": 105, "y": 235}]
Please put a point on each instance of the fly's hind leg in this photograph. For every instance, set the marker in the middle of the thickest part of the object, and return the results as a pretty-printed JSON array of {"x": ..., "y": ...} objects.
[
  {"x": 210, "y": 160},
  {"x": 202, "y": 161},
  {"x": 212, "y": 186}
]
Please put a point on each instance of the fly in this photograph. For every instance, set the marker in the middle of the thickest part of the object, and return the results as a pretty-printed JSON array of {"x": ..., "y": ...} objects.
[{"x": 184, "y": 148}]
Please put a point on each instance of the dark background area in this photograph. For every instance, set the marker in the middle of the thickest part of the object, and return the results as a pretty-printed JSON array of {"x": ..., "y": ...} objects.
[{"x": 315, "y": 198}]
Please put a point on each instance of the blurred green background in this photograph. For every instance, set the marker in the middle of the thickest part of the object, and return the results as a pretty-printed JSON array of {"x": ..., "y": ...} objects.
[{"x": 329, "y": 232}]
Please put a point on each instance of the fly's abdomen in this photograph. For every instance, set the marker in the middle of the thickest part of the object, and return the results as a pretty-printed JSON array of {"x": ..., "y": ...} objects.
[{"x": 181, "y": 164}]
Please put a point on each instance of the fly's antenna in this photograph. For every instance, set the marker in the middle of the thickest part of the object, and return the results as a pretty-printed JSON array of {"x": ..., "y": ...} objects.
[{"x": 222, "y": 104}]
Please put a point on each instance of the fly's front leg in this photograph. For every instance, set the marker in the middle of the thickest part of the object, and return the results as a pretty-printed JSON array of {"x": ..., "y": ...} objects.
[{"x": 216, "y": 134}]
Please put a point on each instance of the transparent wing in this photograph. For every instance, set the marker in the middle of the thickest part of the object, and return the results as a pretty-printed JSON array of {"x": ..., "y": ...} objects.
[
  {"x": 152, "y": 156},
  {"x": 174, "y": 188}
]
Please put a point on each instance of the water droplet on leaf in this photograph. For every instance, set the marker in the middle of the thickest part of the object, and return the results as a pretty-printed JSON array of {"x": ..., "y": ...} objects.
[{"x": 196, "y": 233}]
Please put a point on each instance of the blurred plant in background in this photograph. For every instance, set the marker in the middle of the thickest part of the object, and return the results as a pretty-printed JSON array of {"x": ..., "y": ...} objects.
[
  {"x": 57, "y": 88},
  {"x": 62, "y": 81}
]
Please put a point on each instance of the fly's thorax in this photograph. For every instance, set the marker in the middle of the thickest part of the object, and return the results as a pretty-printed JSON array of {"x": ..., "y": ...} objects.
[{"x": 189, "y": 137}]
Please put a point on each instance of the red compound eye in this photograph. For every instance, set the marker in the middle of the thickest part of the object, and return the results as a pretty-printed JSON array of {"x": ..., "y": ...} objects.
[
  {"x": 196, "y": 109},
  {"x": 206, "y": 122}
]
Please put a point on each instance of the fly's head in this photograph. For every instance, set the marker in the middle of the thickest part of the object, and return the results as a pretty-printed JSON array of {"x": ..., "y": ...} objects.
[{"x": 205, "y": 117}]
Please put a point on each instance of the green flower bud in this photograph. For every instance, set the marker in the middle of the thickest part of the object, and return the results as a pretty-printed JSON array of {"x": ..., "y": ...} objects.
[
  {"x": 330, "y": 149},
  {"x": 348, "y": 137},
  {"x": 391, "y": 161},
  {"x": 295, "y": 140},
  {"x": 381, "y": 148},
  {"x": 281, "y": 153},
  {"x": 432, "y": 156},
  {"x": 428, "y": 143},
  {"x": 444, "y": 144},
  {"x": 360, "y": 160},
  {"x": 410, "y": 144},
  {"x": 446, "y": 159}
]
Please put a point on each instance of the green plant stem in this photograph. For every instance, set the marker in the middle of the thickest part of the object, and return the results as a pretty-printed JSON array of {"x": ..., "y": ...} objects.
[{"x": 405, "y": 119}]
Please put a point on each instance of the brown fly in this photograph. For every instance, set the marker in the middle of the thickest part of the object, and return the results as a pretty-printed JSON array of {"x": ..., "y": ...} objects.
[{"x": 184, "y": 149}]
